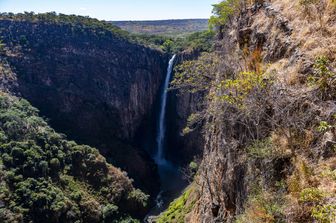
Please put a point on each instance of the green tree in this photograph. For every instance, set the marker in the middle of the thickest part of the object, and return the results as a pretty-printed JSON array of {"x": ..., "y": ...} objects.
[
  {"x": 222, "y": 12},
  {"x": 167, "y": 46}
]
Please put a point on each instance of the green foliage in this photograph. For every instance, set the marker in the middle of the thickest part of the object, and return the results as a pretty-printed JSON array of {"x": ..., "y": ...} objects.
[
  {"x": 46, "y": 178},
  {"x": 324, "y": 213},
  {"x": 110, "y": 212},
  {"x": 236, "y": 90},
  {"x": 223, "y": 11},
  {"x": 311, "y": 195},
  {"x": 199, "y": 41},
  {"x": 171, "y": 44},
  {"x": 324, "y": 78},
  {"x": 196, "y": 75},
  {"x": 193, "y": 122},
  {"x": 178, "y": 209},
  {"x": 138, "y": 196},
  {"x": 323, "y": 126},
  {"x": 329, "y": 173},
  {"x": 261, "y": 149},
  {"x": 167, "y": 46},
  {"x": 193, "y": 166}
]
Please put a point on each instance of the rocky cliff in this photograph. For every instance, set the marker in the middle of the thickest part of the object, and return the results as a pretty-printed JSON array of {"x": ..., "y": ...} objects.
[
  {"x": 91, "y": 83},
  {"x": 264, "y": 149},
  {"x": 269, "y": 153}
]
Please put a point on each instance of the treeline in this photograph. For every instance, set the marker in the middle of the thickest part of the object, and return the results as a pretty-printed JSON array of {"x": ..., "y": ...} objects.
[
  {"x": 199, "y": 40},
  {"x": 59, "y": 18}
]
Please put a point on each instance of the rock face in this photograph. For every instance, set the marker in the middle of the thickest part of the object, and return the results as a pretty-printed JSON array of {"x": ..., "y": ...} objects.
[
  {"x": 226, "y": 174},
  {"x": 92, "y": 85},
  {"x": 181, "y": 104}
]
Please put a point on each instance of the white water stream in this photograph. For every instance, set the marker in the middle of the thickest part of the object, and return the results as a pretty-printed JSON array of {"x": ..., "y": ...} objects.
[
  {"x": 161, "y": 131},
  {"x": 171, "y": 181}
]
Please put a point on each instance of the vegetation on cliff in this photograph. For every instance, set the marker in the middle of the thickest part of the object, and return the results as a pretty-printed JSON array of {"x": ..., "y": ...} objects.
[
  {"x": 46, "y": 178},
  {"x": 270, "y": 115}
]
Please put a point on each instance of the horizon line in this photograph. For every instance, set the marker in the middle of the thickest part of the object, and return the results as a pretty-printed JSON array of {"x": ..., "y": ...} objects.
[{"x": 153, "y": 20}]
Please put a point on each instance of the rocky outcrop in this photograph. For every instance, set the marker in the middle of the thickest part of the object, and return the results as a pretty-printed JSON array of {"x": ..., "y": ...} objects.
[{"x": 92, "y": 85}]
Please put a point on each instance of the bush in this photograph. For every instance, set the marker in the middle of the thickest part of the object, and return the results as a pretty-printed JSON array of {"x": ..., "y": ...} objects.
[
  {"x": 110, "y": 212},
  {"x": 138, "y": 196},
  {"x": 235, "y": 91},
  {"x": 324, "y": 78},
  {"x": 324, "y": 213},
  {"x": 261, "y": 149},
  {"x": 311, "y": 195}
]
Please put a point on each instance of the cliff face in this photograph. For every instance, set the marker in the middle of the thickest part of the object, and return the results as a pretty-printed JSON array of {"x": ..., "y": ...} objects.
[
  {"x": 183, "y": 148},
  {"x": 226, "y": 172},
  {"x": 91, "y": 84},
  {"x": 265, "y": 150}
]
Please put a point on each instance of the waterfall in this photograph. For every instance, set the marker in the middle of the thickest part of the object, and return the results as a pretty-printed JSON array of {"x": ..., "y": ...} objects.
[{"x": 162, "y": 116}]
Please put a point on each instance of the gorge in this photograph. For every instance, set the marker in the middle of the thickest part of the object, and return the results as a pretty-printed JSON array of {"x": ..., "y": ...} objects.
[
  {"x": 95, "y": 94},
  {"x": 235, "y": 124}
]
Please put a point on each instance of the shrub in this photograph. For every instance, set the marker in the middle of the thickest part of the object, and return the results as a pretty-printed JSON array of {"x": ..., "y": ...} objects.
[
  {"x": 235, "y": 91},
  {"x": 139, "y": 196},
  {"x": 324, "y": 78},
  {"x": 261, "y": 149},
  {"x": 110, "y": 211},
  {"x": 324, "y": 213},
  {"x": 323, "y": 126},
  {"x": 311, "y": 195},
  {"x": 194, "y": 121}
]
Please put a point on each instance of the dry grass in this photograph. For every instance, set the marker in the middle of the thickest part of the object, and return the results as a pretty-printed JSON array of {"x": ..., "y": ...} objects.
[{"x": 316, "y": 35}]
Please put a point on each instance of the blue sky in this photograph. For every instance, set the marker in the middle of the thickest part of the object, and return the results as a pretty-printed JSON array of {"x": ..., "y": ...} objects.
[{"x": 116, "y": 9}]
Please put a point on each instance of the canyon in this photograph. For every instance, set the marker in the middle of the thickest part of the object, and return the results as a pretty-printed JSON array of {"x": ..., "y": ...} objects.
[
  {"x": 95, "y": 86},
  {"x": 236, "y": 126}
]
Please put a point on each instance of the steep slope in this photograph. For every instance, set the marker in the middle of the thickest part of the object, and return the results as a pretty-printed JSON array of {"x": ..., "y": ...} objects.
[
  {"x": 89, "y": 80},
  {"x": 46, "y": 178},
  {"x": 269, "y": 152}
]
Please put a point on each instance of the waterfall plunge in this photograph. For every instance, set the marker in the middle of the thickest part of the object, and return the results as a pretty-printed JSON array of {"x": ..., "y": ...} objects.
[{"x": 160, "y": 159}]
